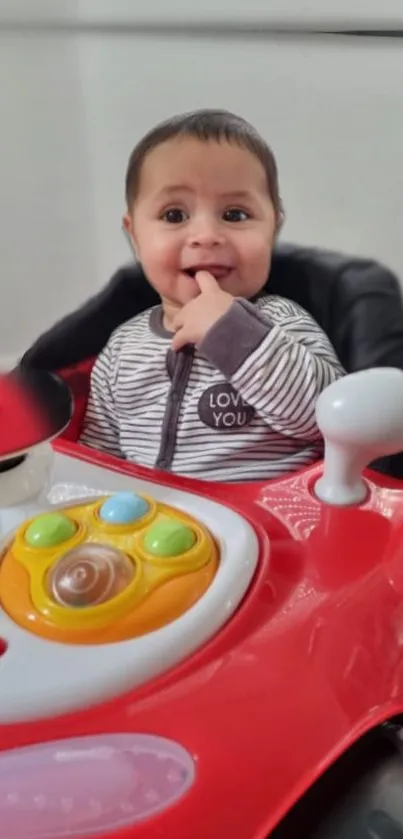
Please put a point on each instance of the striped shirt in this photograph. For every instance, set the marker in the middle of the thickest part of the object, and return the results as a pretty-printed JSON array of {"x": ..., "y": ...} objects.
[{"x": 240, "y": 407}]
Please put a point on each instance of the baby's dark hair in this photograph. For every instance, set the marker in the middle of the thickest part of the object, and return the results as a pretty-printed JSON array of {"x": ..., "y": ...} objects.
[{"x": 205, "y": 125}]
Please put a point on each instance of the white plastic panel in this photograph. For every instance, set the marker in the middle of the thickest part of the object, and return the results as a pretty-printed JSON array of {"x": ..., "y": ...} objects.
[{"x": 39, "y": 678}]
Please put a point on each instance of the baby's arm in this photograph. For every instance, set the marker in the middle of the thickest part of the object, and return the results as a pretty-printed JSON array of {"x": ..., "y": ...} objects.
[
  {"x": 101, "y": 429},
  {"x": 278, "y": 359}
]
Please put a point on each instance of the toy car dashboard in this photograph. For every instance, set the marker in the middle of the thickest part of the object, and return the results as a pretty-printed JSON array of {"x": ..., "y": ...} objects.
[{"x": 198, "y": 660}]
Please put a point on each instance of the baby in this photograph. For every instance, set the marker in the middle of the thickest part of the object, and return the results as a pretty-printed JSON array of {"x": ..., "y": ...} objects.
[{"x": 220, "y": 381}]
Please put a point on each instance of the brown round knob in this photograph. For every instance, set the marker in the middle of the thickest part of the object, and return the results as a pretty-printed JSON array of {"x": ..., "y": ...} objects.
[{"x": 89, "y": 575}]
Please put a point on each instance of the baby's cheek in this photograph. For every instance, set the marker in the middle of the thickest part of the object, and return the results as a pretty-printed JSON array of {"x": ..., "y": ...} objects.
[
  {"x": 157, "y": 266},
  {"x": 256, "y": 261},
  {"x": 260, "y": 262},
  {"x": 255, "y": 246},
  {"x": 160, "y": 251}
]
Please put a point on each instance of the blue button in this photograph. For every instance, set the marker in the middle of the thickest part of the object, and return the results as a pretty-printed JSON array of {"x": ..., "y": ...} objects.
[{"x": 123, "y": 508}]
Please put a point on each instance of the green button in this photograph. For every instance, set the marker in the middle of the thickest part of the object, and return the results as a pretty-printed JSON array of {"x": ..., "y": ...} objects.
[
  {"x": 49, "y": 530},
  {"x": 169, "y": 538}
]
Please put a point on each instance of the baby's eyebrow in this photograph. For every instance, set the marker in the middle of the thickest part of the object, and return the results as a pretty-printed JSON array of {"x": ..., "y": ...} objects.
[
  {"x": 173, "y": 188},
  {"x": 238, "y": 194}
]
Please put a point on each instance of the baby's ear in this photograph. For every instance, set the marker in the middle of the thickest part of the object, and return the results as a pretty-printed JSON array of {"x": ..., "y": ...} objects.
[
  {"x": 127, "y": 224},
  {"x": 280, "y": 219},
  {"x": 127, "y": 227}
]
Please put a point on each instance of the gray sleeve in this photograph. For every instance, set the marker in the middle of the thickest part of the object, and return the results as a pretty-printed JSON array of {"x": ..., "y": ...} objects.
[{"x": 278, "y": 359}]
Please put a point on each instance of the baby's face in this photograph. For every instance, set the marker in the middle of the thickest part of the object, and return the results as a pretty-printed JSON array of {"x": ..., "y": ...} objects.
[{"x": 202, "y": 205}]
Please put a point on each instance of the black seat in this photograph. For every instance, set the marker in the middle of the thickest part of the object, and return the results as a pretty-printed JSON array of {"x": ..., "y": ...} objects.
[{"x": 357, "y": 302}]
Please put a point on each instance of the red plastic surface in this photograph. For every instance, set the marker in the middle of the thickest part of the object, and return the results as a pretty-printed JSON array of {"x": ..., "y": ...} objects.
[
  {"x": 312, "y": 660},
  {"x": 23, "y": 422}
]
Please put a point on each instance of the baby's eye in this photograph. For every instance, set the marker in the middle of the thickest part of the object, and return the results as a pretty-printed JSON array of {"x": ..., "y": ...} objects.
[
  {"x": 235, "y": 214},
  {"x": 174, "y": 216}
]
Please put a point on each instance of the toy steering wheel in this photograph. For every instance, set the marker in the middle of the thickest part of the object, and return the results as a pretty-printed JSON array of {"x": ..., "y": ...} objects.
[{"x": 35, "y": 407}]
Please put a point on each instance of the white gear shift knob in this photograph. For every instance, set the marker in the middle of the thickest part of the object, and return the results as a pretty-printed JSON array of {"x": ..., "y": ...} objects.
[{"x": 361, "y": 419}]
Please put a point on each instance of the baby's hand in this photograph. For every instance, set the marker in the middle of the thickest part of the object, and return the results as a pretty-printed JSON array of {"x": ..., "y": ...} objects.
[{"x": 197, "y": 317}]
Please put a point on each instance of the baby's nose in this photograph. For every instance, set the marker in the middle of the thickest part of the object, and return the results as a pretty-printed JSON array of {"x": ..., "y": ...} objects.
[{"x": 205, "y": 233}]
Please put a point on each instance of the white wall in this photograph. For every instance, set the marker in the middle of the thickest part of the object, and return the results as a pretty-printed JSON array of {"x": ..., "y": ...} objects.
[
  {"x": 363, "y": 13},
  {"x": 72, "y": 105},
  {"x": 341, "y": 12}
]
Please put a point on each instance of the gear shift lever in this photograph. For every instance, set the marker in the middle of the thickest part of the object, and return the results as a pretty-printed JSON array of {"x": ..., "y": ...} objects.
[{"x": 361, "y": 419}]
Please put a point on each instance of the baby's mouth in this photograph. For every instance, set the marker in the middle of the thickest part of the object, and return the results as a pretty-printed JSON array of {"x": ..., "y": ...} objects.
[{"x": 219, "y": 272}]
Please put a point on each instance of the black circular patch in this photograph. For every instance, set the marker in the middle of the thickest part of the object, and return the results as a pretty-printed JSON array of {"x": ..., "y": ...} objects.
[{"x": 222, "y": 407}]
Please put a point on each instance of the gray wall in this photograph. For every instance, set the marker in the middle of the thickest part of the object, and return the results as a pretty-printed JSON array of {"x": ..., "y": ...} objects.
[{"x": 77, "y": 92}]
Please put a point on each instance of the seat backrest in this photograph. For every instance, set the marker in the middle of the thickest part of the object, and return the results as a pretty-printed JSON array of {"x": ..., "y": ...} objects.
[{"x": 357, "y": 302}]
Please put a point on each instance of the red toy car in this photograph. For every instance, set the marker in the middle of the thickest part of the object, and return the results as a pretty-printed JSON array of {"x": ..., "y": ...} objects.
[{"x": 271, "y": 694}]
